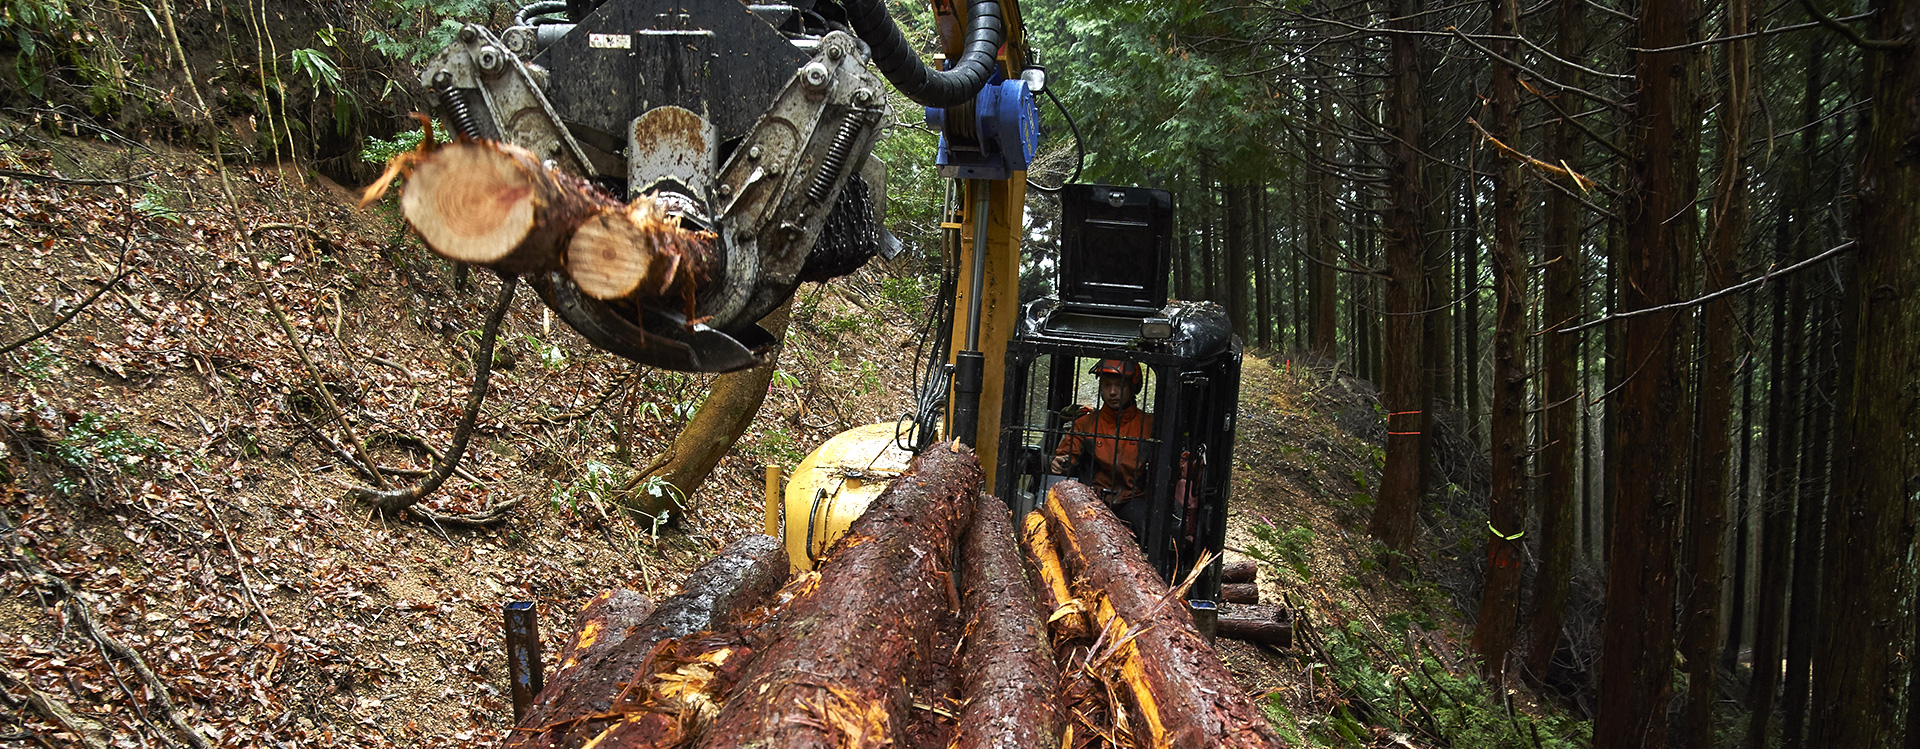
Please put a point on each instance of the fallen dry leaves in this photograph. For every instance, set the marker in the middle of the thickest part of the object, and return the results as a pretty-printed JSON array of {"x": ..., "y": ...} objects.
[{"x": 161, "y": 453}]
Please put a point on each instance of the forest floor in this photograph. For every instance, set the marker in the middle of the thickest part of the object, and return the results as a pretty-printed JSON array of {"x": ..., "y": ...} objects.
[{"x": 161, "y": 454}]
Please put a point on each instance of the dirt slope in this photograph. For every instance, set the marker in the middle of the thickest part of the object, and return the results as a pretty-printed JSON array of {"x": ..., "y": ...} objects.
[{"x": 157, "y": 454}]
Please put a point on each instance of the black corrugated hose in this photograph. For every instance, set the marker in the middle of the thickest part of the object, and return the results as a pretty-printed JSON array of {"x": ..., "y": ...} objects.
[{"x": 898, "y": 61}]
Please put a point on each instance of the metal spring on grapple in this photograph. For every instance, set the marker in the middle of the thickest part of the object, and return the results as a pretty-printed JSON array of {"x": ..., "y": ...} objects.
[
  {"x": 835, "y": 160},
  {"x": 462, "y": 112}
]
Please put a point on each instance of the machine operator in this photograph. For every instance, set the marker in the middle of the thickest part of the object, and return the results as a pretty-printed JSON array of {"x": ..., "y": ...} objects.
[{"x": 1112, "y": 442}]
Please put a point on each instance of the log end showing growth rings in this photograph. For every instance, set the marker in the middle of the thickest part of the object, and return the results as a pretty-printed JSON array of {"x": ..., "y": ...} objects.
[
  {"x": 609, "y": 255},
  {"x": 469, "y": 204}
]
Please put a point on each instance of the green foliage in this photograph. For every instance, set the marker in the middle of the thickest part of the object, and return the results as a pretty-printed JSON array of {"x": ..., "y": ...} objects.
[
  {"x": 416, "y": 29},
  {"x": 92, "y": 446},
  {"x": 30, "y": 23},
  {"x": 379, "y": 151},
  {"x": 552, "y": 357},
  {"x": 595, "y": 487},
  {"x": 908, "y": 293},
  {"x": 1185, "y": 108},
  {"x": 1283, "y": 548},
  {"x": 778, "y": 444},
  {"x": 666, "y": 495},
  {"x": 156, "y": 203},
  {"x": 1406, "y": 692},
  {"x": 324, "y": 73}
]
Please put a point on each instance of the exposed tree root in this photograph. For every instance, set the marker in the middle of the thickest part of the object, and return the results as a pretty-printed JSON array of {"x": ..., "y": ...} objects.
[
  {"x": 393, "y": 500},
  {"x": 91, "y": 733},
  {"x": 77, "y": 610}
]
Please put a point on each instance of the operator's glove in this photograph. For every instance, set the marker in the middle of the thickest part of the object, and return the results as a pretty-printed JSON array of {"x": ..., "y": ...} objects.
[{"x": 1074, "y": 411}]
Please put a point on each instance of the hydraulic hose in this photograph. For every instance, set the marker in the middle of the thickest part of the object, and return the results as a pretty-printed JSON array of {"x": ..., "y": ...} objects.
[{"x": 897, "y": 60}]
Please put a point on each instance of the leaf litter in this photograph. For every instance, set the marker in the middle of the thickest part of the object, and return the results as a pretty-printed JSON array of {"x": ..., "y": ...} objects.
[{"x": 167, "y": 455}]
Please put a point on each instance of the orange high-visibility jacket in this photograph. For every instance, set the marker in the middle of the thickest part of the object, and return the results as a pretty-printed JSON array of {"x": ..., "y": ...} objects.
[{"x": 1118, "y": 442}]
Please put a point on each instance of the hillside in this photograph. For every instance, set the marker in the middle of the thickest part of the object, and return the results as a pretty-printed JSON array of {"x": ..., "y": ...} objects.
[
  {"x": 159, "y": 453},
  {"x": 163, "y": 455}
]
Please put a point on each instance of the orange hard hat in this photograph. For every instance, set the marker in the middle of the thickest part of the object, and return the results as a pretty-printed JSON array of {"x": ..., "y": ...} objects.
[{"x": 1118, "y": 368}]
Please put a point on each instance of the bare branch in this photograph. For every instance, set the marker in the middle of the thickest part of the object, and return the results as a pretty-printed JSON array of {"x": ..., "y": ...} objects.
[{"x": 1736, "y": 288}]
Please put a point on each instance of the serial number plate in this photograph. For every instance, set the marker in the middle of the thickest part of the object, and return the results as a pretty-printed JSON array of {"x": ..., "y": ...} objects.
[{"x": 610, "y": 41}]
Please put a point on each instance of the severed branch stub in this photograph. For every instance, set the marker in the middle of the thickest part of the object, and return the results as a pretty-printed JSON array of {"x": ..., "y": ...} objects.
[{"x": 496, "y": 205}]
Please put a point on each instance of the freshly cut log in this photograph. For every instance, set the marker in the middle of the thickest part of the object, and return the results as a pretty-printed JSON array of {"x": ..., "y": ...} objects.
[
  {"x": 1247, "y": 593},
  {"x": 1066, "y": 617},
  {"x": 1239, "y": 571},
  {"x": 639, "y": 250},
  {"x": 616, "y": 638},
  {"x": 835, "y": 672},
  {"x": 1012, "y": 684},
  {"x": 1177, "y": 691},
  {"x": 496, "y": 205},
  {"x": 491, "y": 204},
  {"x": 1267, "y": 625}
]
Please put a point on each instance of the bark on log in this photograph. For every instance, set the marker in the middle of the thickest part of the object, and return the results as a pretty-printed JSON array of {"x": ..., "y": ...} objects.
[
  {"x": 617, "y": 637},
  {"x": 1267, "y": 625},
  {"x": 835, "y": 673},
  {"x": 1239, "y": 571},
  {"x": 496, "y": 205},
  {"x": 1247, "y": 593},
  {"x": 1178, "y": 692},
  {"x": 639, "y": 250},
  {"x": 1012, "y": 684}
]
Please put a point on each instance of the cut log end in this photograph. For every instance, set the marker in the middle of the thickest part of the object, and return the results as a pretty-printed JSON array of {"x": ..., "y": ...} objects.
[
  {"x": 470, "y": 204},
  {"x": 609, "y": 256},
  {"x": 636, "y": 250}
]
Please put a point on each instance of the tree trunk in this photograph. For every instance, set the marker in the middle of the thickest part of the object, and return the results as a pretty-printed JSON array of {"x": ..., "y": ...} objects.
[
  {"x": 1652, "y": 422},
  {"x": 1776, "y": 526},
  {"x": 1803, "y": 614},
  {"x": 1403, "y": 390},
  {"x": 1877, "y": 457},
  {"x": 1470, "y": 355},
  {"x": 495, "y": 205},
  {"x": 1326, "y": 315},
  {"x": 1178, "y": 692},
  {"x": 1707, "y": 509},
  {"x": 617, "y": 633},
  {"x": 1066, "y": 616},
  {"x": 491, "y": 204},
  {"x": 640, "y": 251},
  {"x": 1266, "y": 625},
  {"x": 732, "y": 402},
  {"x": 837, "y": 669},
  {"x": 1239, "y": 248},
  {"x": 1561, "y": 392},
  {"x": 1743, "y": 522},
  {"x": 1012, "y": 685},
  {"x": 1801, "y": 622},
  {"x": 1507, "y": 499},
  {"x": 1263, "y": 275}
]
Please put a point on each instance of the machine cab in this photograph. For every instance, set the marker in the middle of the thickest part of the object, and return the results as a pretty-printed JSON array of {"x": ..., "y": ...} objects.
[{"x": 1112, "y": 315}]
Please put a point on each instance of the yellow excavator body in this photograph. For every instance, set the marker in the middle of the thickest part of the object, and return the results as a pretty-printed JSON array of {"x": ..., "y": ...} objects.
[{"x": 831, "y": 488}]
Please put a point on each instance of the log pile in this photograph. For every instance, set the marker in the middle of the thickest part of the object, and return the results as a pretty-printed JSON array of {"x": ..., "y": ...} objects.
[
  {"x": 925, "y": 626},
  {"x": 495, "y": 205}
]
